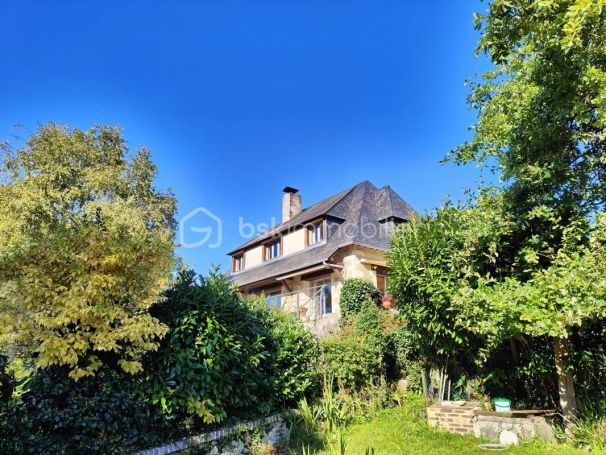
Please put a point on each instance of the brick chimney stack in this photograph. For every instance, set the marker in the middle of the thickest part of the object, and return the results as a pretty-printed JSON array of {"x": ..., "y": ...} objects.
[{"x": 291, "y": 203}]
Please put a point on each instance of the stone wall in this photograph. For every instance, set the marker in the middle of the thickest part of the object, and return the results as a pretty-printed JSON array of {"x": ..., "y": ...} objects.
[
  {"x": 467, "y": 417},
  {"x": 453, "y": 416},
  {"x": 490, "y": 427},
  {"x": 276, "y": 434}
]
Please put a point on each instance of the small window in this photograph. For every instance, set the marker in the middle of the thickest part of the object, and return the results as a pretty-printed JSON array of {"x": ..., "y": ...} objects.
[
  {"x": 321, "y": 295},
  {"x": 238, "y": 263},
  {"x": 315, "y": 233},
  {"x": 382, "y": 283},
  {"x": 272, "y": 250},
  {"x": 274, "y": 300}
]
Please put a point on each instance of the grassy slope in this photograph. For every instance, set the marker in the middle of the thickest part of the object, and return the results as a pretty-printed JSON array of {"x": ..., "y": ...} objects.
[{"x": 401, "y": 431}]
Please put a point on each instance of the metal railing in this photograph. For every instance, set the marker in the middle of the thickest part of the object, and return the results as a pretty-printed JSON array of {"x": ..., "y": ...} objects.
[{"x": 308, "y": 303}]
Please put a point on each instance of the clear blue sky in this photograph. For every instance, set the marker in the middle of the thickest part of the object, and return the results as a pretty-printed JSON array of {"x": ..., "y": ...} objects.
[{"x": 237, "y": 99}]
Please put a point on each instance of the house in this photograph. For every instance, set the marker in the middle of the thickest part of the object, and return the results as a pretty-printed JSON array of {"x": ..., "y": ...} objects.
[{"x": 300, "y": 265}]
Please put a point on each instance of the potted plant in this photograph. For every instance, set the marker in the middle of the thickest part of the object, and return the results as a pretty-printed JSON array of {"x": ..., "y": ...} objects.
[{"x": 387, "y": 302}]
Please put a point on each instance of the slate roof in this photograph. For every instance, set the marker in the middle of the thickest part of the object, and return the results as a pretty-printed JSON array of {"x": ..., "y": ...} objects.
[{"x": 356, "y": 215}]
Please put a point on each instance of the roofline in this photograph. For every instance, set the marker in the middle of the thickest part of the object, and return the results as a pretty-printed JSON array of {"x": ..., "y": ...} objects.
[{"x": 279, "y": 231}]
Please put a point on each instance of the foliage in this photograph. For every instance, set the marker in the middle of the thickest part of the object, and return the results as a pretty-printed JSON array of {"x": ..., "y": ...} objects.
[
  {"x": 319, "y": 425},
  {"x": 404, "y": 353},
  {"x": 294, "y": 363},
  {"x": 588, "y": 430},
  {"x": 354, "y": 293},
  {"x": 86, "y": 246},
  {"x": 355, "y": 358},
  {"x": 404, "y": 430},
  {"x": 541, "y": 124},
  {"x": 351, "y": 361},
  {"x": 542, "y": 110},
  {"x": 567, "y": 294},
  {"x": 100, "y": 414},
  {"x": 224, "y": 356},
  {"x": 430, "y": 257}
]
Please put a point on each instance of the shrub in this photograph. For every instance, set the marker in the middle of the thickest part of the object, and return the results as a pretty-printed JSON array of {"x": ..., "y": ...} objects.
[
  {"x": 227, "y": 357},
  {"x": 295, "y": 354},
  {"x": 100, "y": 414},
  {"x": 223, "y": 357},
  {"x": 356, "y": 291},
  {"x": 351, "y": 361},
  {"x": 403, "y": 356}
]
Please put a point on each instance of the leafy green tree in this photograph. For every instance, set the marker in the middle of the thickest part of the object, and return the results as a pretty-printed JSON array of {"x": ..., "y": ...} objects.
[
  {"x": 429, "y": 259},
  {"x": 568, "y": 294},
  {"x": 541, "y": 124},
  {"x": 86, "y": 247}
]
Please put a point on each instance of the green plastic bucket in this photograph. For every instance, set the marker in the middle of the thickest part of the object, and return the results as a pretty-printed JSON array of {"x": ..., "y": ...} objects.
[{"x": 502, "y": 404}]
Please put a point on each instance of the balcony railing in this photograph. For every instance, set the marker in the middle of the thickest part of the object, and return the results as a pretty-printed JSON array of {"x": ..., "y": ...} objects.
[{"x": 308, "y": 303}]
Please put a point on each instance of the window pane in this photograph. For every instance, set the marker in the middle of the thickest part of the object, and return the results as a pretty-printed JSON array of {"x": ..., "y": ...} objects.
[
  {"x": 327, "y": 299},
  {"x": 274, "y": 301}
]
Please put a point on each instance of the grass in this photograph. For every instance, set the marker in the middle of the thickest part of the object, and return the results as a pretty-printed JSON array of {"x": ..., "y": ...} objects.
[{"x": 403, "y": 430}]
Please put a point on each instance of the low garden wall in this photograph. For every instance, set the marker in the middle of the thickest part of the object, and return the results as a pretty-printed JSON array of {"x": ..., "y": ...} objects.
[
  {"x": 467, "y": 417},
  {"x": 453, "y": 416},
  {"x": 275, "y": 433},
  {"x": 489, "y": 425}
]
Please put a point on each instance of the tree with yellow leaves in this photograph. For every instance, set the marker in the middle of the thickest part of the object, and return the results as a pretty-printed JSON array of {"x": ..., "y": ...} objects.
[{"x": 86, "y": 247}]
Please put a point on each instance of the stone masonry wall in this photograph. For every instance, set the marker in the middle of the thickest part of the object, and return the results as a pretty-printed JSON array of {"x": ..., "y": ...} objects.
[
  {"x": 277, "y": 433},
  {"x": 453, "y": 416}
]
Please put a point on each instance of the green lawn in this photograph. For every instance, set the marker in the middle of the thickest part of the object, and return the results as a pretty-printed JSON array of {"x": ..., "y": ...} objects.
[{"x": 400, "y": 431}]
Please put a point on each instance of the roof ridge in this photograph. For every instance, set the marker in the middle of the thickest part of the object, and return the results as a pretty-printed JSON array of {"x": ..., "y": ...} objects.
[{"x": 293, "y": 221}]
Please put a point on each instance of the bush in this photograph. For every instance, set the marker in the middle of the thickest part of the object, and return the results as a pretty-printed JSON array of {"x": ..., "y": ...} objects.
[
  {"x": 354, "y": 293},
  {"x": 101, "y": 414},
  {"x": 403, "y": 357},
  {"x": 295, "y": 353},
  {"x": 223, "y": 357},
  {"x": 227, "y": 357},
  {"x": 355, "y": 359},
  {"x": 351, "y": 361}
]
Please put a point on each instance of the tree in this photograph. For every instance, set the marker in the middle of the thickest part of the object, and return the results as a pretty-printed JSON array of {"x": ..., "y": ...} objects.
[
  {"x": 541, "y": 124},
  {"x": 86, "y": 246},
  {"x": 567, "y": 294},
  {"x": 430, "y": 258}
]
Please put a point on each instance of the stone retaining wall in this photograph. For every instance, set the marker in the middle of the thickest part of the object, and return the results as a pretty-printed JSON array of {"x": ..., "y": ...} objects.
[
  {"x": 490, "y": 427},
  {"x": 276, "y": 434}
]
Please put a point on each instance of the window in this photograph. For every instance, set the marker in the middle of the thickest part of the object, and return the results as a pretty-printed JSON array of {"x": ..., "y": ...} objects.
[
  {"x": 321, "y": 292},
  {"x": 272, "y": 250},
  {"x": 315, "y": 233},
  {"x": 238, "y": 263},
  {"x": 382, "y": 283},
  {"x": 274, "y": 300}
]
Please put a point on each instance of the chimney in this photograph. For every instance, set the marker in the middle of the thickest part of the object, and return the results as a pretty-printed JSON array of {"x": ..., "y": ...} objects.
[{"x": 291, "y": 203}]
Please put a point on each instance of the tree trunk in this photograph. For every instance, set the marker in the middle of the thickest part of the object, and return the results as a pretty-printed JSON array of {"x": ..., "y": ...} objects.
[
  {"x": 424, "y": 383},
  {"x": 515, "y": 356},
  {"x": 568, "y": 401}
]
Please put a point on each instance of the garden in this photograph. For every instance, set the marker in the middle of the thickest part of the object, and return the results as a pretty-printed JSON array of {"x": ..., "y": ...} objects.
[{"x": 108, "y": 344}]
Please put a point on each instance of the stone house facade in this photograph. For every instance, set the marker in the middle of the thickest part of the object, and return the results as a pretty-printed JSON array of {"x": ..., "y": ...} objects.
[{"x": 300, "y": 265}]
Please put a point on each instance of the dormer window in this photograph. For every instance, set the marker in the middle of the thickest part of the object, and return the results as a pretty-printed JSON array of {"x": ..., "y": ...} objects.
[
  {"x": 238, "y": 263},
  {"x": 314, "y": 233},
  {"x": 272, "y": 250}
]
